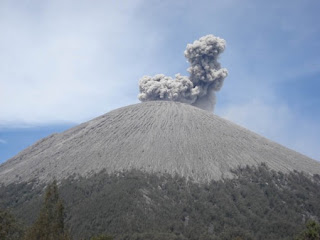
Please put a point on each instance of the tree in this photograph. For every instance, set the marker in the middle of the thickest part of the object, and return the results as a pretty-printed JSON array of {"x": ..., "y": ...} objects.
[
  {"x": 9, "y": 228},
  {"x": 312, "y": 231},
  {"x": 50, "y": 222}
]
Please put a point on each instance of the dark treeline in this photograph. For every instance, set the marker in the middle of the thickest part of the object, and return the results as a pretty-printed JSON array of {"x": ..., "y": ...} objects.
[{"x": 257, "y": 204}]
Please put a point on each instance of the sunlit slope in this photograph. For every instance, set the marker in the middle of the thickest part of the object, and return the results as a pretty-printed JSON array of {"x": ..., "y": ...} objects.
[{"x": 156, "y": 137}]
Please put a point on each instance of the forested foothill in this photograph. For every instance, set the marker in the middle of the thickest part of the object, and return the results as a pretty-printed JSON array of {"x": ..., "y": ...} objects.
[{"x": 257, "y": 203}]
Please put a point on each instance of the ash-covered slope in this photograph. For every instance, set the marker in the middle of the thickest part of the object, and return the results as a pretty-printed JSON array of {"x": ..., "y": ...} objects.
[{"x": 160, "y": 137}]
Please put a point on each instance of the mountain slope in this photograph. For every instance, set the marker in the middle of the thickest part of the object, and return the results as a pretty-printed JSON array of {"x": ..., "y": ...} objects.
[
  {"x": 257, "y": 204},
  {"x": 160, "y": 137}
]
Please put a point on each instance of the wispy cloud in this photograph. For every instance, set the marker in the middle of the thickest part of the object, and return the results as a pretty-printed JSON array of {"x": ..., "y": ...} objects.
[
  {"x": 2, "y": 141},
  {"x": 278, "y": 123},
  {"x": 61, "y": 63}
]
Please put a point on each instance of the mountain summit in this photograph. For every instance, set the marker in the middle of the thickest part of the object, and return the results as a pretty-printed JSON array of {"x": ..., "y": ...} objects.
[{"x": 156, "y": 137}]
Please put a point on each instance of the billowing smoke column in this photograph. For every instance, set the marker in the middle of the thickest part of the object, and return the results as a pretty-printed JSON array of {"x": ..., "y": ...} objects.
[{"x": 206, "y": 77}]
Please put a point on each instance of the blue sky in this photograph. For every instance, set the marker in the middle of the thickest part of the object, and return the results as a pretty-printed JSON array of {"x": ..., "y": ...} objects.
[{"x": 66, "y": 62}]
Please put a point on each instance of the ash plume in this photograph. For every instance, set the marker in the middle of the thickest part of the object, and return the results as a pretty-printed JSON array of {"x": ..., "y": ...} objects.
[{"x": 206, "y": 77}]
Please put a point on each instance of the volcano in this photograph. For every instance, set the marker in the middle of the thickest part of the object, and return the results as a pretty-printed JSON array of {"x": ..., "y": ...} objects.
[
  {"x": 166, "y": 170},
  {"x": 156, "y": 137}
]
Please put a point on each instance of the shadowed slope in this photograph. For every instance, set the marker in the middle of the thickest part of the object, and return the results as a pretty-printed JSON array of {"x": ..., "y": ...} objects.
[{"x": 155, "y": 136}]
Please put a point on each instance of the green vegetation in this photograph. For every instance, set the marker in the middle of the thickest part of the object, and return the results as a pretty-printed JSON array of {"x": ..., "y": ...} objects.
[
  {"x": 9, "y": 228},
  {"x": 102, "y": 237},
  {"x": 311, "y": 231},
  {"x": 257, "y": 204},
  {"x": 50, "y": 222}
]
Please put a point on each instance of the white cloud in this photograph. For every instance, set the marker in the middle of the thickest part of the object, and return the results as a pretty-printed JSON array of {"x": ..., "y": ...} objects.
[
  {"x": 2, "y": 141},
  {"x": 276, "y": 122},
  {"x": 70, "y": 62}
]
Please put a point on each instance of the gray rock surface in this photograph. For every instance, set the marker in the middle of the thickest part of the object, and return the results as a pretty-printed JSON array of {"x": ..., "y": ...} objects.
[{"x": 157, "y": 137}]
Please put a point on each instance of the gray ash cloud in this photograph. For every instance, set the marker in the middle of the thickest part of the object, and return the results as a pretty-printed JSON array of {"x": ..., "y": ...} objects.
[{"x": 206, "y": 77}]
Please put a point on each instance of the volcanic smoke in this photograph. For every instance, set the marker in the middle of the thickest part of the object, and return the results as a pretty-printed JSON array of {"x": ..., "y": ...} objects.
[{"x": 206, "y": 77}]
